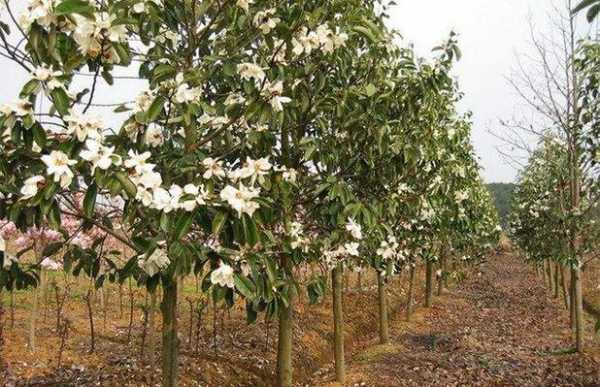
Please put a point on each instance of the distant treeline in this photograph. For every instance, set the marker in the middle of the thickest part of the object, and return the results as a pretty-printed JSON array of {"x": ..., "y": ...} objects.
[{"x": 502, "y": 193}]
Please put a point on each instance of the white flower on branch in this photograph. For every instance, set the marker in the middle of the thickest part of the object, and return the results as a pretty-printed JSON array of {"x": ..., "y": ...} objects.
[
  {"x": 100, "y": 156},
  {"x": 84, "y": 126},
  {"x": 154, "y": 264},
  {"x": 240, "y": 199},
  {"x": 354, "y": 229},
  {"x": 213, "y": 168},
  {"x": 31, "y": 186},
  {"x": 249, "y": 71},
  {"x": 223, "y": 276},
  {"x": 58, "y": 164}
]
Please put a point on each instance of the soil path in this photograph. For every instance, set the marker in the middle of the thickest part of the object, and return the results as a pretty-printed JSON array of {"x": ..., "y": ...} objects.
[{"x": 498, "y": 328}]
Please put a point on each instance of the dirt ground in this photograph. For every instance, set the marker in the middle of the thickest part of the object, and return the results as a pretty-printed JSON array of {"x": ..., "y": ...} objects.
[{"x": 498, "y": 328}]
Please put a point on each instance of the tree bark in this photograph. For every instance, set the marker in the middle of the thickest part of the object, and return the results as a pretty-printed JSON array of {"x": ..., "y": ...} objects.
[
  {"x": 578, "y": 302},
  {"x": 151, "y": 324},
  {"x": 384, "y": 336},
  {"x": 565, "y": 287},
  {"x": 285, "y": 334},
  {"x": 169, "y": 334},
  {"x": 556, "y": 279},
  {"x": 33, "y": 318},
  {"x": 411, "y": 288},
  {"x": 338, "y": 324},
  {"x": 442, "y": 281},
  {"x": 429, "y": 284},
  {"x": 550, "y": 276}
]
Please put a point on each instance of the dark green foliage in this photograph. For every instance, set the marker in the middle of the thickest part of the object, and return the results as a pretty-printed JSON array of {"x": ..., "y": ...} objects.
[{"x": 502, "y": 193}]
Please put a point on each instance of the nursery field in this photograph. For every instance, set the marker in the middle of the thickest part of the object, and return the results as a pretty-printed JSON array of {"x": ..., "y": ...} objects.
[
  {"x": 497, "y": 324},
  {"x": 288, "y": 193},
  {"x": 218, "y": 348}
]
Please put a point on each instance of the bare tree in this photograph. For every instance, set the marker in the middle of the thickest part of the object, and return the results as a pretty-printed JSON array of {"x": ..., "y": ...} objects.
[{"x": 546, "y": 80}]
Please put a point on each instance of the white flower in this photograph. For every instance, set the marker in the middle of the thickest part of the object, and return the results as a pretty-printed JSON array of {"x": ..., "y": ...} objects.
[
  {"x": 273, "y": 94},
  {"x": 234, "y": 99},
  {"x": 244, "y": 4},
  {"x": 250, "y": 71},
  {"x": 264, "y": 22},
  {"x": 352, "y": 248},
  {"x": 162, "y": 200},
  {"x": 44, "y": 73},
  {"x": 39, "y": 11},
  {"x": 9, "y": 259},
  {"x": 58, "y": 164},
  {"x": 155, "y": 263},
  {"x": 213, "y": 168},
  {"x": 461, "y": 196},
  {"x": 137, "y": 161},
  {"x": 223, "y": 276},
  {"x": 143, "y": 101},
  {"x": 100, "y": 156},
  {"x": 3, "y": 247},
  {"x": 139, "y": 7},
  {"x": 199, "y": 196},
  {"x": 50, "y": 264},
  {"x": 19, "y": 108},
  {"x": 185, "y": 93},
  {"x": 240, "y": 199},
  {"x": 354, "y": 229},
  {"x": 84, "y": 126},
  {"x": 290, "y": 175},
  {"x": 154, "y": 136},
  {"x": 256, "y": 168},
  {"x": 30, "y": 186},
  {"x": 91, "y": 34}
]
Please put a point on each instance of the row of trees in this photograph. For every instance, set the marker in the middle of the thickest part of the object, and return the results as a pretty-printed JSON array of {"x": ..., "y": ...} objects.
[
  {"x": 555, "y": 217},
  {"x": 271, "y": 136}
]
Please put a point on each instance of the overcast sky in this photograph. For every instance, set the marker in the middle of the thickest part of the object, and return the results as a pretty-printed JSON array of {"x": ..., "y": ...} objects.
[{"x": 491, "y": 32}]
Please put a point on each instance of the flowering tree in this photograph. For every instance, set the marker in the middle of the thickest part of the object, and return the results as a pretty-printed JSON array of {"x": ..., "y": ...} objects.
[
  {"x": 267, "y": 135},
  {"x": 543, "y": 222},
  {"x": 201, "y": 164}
]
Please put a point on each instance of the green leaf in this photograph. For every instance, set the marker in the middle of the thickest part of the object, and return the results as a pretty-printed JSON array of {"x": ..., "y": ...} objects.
[
  {"x": 89, "y": 201},
  {"x": 218, "y": 222},
  {"x": 250, "y": 230},
  {"x": 61, "y": 101},
  {"x": 127, "y": 184},
  {"x": 244, "y": 286},
  {"x": 584, "y": 4},
  {"x": 67, "y": 7},
  {"x": 155, "y": 109},
  {"x": 183, "y": 225},
  {"x": 39, "y": 135}
]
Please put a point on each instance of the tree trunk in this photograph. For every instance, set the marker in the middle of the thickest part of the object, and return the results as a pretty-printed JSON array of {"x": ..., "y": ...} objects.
[
  {"x": 429, "y": 284},
  {"x": 572, "y": 313},
  {"x": 411, "y": 288},
  {"x": 384, "y": 336},
  {"x": 33, "y": 317},
  {"x": 338, "y": 324},
  {"x": 556, "y": 279},
  {"x": 151, "y": 324},
  {"x": 169, "y": 334},
  {"x": 550, "y": 276},
  {"x": 578, "y": 303},
  {"x": 442, "y": 279},
  {"x": 565, "y": 287},
  {"x": 88, "y": 302},
  {"x": 359, "y": 281},
  {"x": 285, "y": 334}
]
